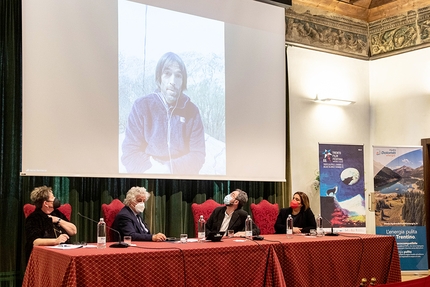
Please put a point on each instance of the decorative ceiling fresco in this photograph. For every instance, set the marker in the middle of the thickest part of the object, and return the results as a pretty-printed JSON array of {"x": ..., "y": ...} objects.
[{"x": 364, "y": 29}]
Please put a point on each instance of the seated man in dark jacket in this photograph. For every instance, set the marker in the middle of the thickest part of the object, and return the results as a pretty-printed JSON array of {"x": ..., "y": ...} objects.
[
  {"x": 231, "y": 216},
  {"x": 128, "y": 220}
]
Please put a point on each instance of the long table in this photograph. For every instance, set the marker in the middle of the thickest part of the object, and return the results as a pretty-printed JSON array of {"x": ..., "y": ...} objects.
[{"x": 275, "y": 261}]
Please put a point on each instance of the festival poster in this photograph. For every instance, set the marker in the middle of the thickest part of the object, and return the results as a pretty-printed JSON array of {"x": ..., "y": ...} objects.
[
  {"x": 399, "y": 202},
  {"x": 341, "y": 170}
]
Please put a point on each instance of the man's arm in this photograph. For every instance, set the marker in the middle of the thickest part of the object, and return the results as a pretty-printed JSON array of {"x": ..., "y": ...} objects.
[
  {"x": 126, "y": 226},
  {"x": 192, "y": 162},
  {"x": 134, "y": 157},
  {"x": 211, "y": 224}
]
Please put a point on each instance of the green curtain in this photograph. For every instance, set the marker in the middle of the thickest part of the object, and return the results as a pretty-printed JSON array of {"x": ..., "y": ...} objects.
[{"x": 168, "y": 210}]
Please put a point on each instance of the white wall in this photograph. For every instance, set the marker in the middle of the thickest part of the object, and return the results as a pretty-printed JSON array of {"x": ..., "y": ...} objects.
[
  {"x": 392, "y": 107},
  {"x": 400, "y": 99},
  {"x": 310, "y": 73}
]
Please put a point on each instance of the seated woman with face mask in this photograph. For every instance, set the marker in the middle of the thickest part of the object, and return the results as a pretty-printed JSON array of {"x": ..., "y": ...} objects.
[
  {"x": 46, "y": 225},
  {"x": 303, "y": 217}
]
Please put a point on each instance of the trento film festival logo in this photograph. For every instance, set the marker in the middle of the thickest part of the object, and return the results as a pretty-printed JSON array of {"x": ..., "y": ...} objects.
[
  {"x": 328, "y": 156},
  {"x": 332, "y": 159}
]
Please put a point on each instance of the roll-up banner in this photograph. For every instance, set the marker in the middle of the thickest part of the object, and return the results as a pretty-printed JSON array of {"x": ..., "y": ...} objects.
[
  {"x": 400, "y": 207},
  {"x": 342, "y": 187}
]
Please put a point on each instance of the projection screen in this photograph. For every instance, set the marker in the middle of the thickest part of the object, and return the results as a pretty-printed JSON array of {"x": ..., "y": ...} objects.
[{"x": 190, "y": 89}]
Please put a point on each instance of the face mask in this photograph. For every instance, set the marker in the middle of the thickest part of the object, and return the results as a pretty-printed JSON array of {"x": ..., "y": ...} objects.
[
  {"x": 294, "y": 204},
  {"x": 56, "y": 203},
  {"x": 140, "y": 207},
  {"x": 227, "y": 199}
]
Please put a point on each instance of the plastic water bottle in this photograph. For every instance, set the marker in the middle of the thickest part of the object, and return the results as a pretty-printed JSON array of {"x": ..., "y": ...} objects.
[
  {"x": 320, "y": 230},
  {"x": 290, "y": 226},
  {"x": 101, "y": 234},
  {"x": 248, "y": 227},
  {"x": 201, "y": 229}
]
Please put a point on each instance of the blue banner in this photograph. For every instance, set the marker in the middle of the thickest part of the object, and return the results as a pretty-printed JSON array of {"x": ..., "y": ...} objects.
[
  {"x": 412, "y": 245},
  {"x": 399, "y": 202},
  {"x": 342, "y": 187}
]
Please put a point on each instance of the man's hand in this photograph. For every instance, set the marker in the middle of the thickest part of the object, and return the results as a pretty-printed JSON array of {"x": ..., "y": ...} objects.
[
  {"x": 159, "y": 237},
  {"x": 239, "y": 234}
]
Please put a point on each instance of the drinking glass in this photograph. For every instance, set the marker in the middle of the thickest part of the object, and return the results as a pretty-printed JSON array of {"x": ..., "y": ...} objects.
[
  {"x": 184, "y": 238},
  {"x": 127, "y": 239}
]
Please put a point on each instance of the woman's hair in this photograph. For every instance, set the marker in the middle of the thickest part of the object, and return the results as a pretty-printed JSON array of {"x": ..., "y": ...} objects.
[
  {"x": 304, "y": 199},
  {"x": 39, "y": 195},
  {"x": 133, "y": 192}
]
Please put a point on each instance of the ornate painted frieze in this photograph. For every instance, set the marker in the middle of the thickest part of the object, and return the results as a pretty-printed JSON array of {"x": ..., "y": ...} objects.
[
  {"x": 393, "y": 33},
  {"x": 359, "y": 39},
  {"x": 327, "y": 32}
]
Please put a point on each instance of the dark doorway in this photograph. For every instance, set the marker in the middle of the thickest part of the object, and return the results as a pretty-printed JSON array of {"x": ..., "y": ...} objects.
[{"x": 426, "y": 170}]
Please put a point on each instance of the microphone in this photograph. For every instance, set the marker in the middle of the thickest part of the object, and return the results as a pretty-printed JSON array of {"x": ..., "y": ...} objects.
[
  {"x": 332, "y": 233},
  {"x": 114, "y": 245}
]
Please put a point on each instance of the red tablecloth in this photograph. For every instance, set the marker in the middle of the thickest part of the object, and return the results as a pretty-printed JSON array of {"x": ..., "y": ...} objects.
[
  {"x": 337, "y": 261},
  {"x": 276, "y": 261},
  {"x": 226, "y": 263}
]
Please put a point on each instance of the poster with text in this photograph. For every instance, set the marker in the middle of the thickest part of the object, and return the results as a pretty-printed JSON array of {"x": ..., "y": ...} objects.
[
  {"x": 399, "y": 197},
  {"x": 342, "y": 187}
]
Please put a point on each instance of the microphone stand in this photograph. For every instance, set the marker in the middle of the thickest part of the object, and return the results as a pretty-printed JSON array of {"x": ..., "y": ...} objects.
[
  {"x": 120, "y": 244},
  {"x": 332, "y": 233}
]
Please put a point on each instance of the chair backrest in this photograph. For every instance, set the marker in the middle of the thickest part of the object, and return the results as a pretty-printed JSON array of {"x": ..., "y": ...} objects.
[
  {"x": 264, "y": 215},
  {"x": 109, "y": 213},
  {"x": 65, "y": 209},
  {"x": 204, "y": 209}
]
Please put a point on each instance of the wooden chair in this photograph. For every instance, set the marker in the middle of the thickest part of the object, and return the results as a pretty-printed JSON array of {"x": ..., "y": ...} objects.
[
  {"x": 264, "y": 215},
  {"x": 65, "y": 209},
  {"x": 204, "y": 209},
  {"x": 109, "y": 213}
]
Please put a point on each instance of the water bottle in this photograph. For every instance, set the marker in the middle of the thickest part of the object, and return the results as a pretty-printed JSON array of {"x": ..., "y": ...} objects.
[
  {"x": 320, "y": 230},
  {"x": 101, "y": 234},
  {"x": 248, "y": 227},
  {"x": 290, "y": 226},
  {"x": 201, "y": 229}
]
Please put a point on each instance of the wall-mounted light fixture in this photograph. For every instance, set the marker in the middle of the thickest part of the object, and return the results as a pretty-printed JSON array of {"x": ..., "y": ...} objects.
[{"x": 331, "y": 101}]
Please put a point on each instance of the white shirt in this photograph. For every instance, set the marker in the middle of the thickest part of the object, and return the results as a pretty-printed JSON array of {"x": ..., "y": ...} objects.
[{"x": 225, "y": 222}]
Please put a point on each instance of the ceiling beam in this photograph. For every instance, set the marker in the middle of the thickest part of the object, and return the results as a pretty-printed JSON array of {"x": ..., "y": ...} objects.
[{"x": 365, "y": 10}]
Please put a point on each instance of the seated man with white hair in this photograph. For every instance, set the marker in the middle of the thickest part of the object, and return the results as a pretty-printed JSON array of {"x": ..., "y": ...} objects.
[{"x": 128, "y": 220}]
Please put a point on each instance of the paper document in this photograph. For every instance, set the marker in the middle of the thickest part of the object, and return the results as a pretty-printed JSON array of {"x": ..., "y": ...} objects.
[{"x": 66, "y": 246}]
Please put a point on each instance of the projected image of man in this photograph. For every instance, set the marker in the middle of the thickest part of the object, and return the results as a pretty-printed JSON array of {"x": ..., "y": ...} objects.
[{"x": 164, "y": 132}]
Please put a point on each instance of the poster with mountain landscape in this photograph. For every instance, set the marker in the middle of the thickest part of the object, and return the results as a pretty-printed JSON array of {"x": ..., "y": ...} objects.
[
  {"x": 399, "y": 202},
  {"x": 342, "y": 187}
]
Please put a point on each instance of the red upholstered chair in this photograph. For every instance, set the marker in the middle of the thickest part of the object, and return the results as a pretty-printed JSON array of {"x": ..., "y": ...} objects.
[
  {"x": 264, "y": 215},
  {"x": 204, "y": 209},
  {"x": 65, "y": 209},
  {"x": 109, "y": 212}
]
